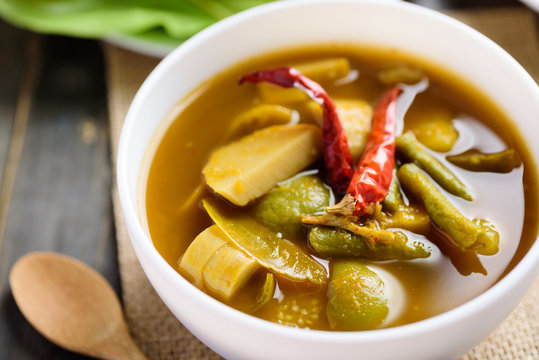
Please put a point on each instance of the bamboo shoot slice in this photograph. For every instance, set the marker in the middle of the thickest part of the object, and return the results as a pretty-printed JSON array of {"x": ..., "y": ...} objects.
[
  {"x": 272, "y": 252},
  {"x": 248, "y": 168},
  {"x": 200, "y": 251},
  {"x": 228, "y": 270}
]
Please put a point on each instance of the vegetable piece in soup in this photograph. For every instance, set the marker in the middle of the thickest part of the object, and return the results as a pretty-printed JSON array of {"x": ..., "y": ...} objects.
[
  {"x": 246, "y": 169},
  {"x": 282, "y": 207},
  {"x": 469, "y": 235},
  {"x": 215, "y": 265},
  {"x": 357, "y": 297},
  {"x": 334, "y": 242},
  {"x": 267, "y": 247}
]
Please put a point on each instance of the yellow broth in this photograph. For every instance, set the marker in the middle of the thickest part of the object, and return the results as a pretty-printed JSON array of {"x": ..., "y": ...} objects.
[{"x": 431, "y": 286}]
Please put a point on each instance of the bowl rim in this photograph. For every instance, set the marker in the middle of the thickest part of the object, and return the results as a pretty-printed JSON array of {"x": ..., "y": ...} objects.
[{"x": 529, "y": 264}]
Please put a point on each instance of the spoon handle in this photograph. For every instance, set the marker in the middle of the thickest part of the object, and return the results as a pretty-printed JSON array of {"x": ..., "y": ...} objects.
[
  {"x": 132, "y": 351},
  {"x": 119, "y": 347}
]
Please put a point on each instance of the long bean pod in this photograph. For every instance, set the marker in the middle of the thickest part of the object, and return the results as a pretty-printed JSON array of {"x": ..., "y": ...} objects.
[
  {"x": 474, "y": 160},
  {"x": 469, "y": 235},
  {"x": 410, "y": 148},
  {"x": 393, "y": 200}
]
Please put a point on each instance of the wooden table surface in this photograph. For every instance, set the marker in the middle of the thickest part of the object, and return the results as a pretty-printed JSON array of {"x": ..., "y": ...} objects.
[{"x": 55, "y": 167}]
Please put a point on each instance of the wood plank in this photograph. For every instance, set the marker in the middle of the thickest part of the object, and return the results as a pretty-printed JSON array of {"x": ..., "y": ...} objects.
[
  {"x": 15, "y": 139},
  {"x": 61, "y": 195},
  {"x": 12, "y": 48}
]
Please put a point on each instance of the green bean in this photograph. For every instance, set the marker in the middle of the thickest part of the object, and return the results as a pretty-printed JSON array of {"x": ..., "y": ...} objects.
[
  {"x": 474, "y": 160},
  {"x": 409, "y": 147},
  {"x": 335, "y": 242},
  {"x": 357, "y": 297},
  {"x": 393, "y": 200},
  {"x": 469, "y": 235}
]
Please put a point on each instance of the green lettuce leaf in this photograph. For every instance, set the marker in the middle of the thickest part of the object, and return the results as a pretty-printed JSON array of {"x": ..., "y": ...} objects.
[{"x": 163, "y": 21}]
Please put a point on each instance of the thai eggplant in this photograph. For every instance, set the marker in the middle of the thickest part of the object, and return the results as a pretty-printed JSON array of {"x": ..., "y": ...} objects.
[
  {"x": 357, "y": 297},
  {"x": 281, "y": 208}
]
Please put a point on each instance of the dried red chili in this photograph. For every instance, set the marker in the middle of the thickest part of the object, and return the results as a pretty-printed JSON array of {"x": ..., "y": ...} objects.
[
  {"x": 371, "y": 180},
  {"x": 336, "y": 152}
]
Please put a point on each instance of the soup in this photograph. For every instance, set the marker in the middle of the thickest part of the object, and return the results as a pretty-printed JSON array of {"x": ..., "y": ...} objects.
[{"x": 248, "y": 195}]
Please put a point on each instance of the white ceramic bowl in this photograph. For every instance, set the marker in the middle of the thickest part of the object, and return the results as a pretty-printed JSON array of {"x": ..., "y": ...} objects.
[{"x": 413, "y": 29}]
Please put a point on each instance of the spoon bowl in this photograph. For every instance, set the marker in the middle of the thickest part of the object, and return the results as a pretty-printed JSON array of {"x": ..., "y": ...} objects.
[{"x": 72, "y": 305}]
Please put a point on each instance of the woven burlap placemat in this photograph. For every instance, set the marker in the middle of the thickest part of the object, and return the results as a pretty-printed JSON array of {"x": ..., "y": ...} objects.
[{"x": 158, "y": 332}]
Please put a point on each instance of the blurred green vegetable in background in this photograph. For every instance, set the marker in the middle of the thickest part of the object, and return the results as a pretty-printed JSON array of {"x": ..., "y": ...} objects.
[{"x": 167, "y": 22}]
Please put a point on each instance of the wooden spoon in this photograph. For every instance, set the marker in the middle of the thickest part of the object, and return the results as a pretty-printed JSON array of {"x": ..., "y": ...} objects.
[{"x": 72, "y": 305}]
